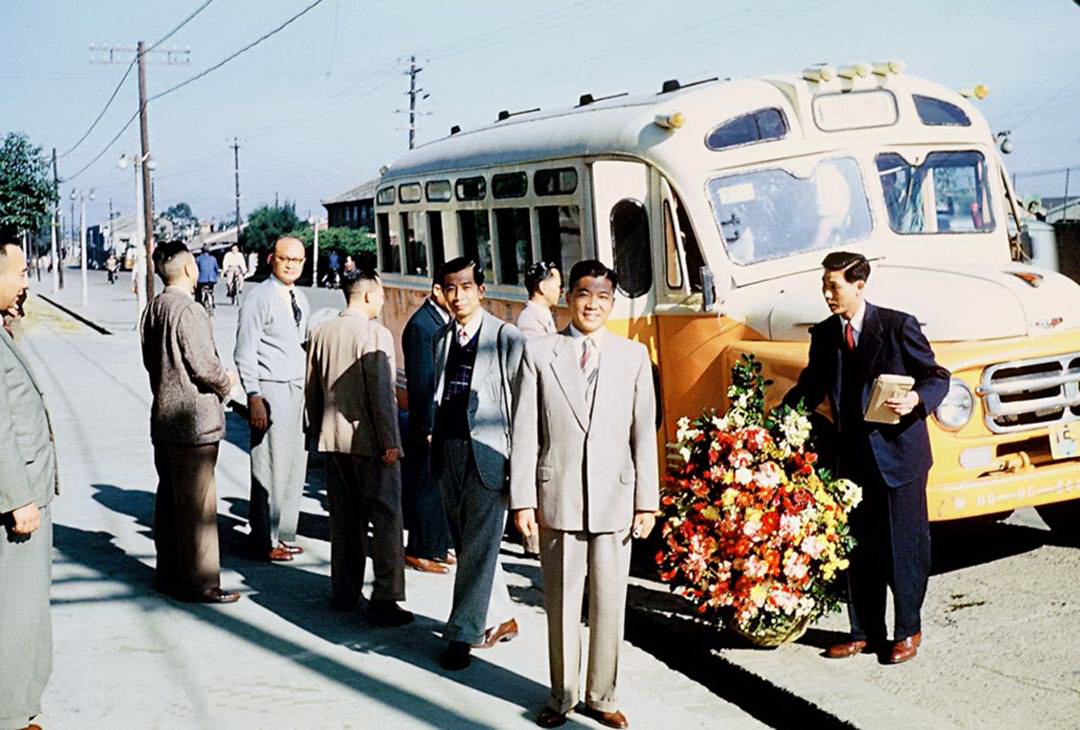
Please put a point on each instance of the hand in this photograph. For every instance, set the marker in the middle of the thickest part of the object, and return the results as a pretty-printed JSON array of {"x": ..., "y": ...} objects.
[
  {"x": 390, "y": 456},
  {"x": 643, "y": 524},
  {"x": 233, "y": 378},
  {"x": 25, "y": 519},
  {"x": 904, "y": 404},
  {"x": 525, "y": 521},
  {"x": 429, "y": 438},
  {"x": 258, "y": 417}
]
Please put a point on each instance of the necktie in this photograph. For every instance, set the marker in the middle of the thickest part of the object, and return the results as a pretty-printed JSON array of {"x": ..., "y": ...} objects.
[
  {"x": 296, "y": 313},
  {"x": 462, "y": 336},
  {"x": 588, "y": 365},
  {"x": 849, "y": 336}
]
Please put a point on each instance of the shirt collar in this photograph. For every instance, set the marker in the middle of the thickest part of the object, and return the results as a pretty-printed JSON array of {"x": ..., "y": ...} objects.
[
  {"x": 472, "y": 327},
  {"x": 185, "y": 292},
  {"x": 857, "y": 319},
  {"x": 443, "y": 314},
  {"x": 281, "y": 283},
  {"x": 597, "y": 337},
  {"x": 541, "y": 309}
]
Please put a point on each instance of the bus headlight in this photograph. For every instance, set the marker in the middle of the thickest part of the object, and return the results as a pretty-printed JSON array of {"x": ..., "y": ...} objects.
[{"x": 955, "y": 411}]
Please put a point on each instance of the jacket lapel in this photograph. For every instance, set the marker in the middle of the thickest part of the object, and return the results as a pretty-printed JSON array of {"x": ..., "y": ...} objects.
[
  {"x": 486, "y": 348},
  {"x": 870, "y": 339},
  {"x": 611, "y": 356},
  {"x": 567, "y": 371}
]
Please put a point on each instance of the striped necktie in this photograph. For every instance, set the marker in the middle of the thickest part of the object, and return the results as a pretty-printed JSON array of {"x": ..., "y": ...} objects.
[{"x": 589, "y": 361}]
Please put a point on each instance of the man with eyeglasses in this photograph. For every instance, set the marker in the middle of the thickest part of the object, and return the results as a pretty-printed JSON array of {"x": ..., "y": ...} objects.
[{"x": 270, "y": 336}]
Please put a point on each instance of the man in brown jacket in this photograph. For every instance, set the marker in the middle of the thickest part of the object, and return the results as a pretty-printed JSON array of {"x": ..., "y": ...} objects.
[
  {"x": 187, "y": 421},
  {"x": 352, "y": 411}
]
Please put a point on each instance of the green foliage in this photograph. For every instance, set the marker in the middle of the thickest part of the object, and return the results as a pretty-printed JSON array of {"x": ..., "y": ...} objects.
[
  {"x": 26, "y": 189},
  {"x": 269, "y": 223},
  {"x": 180, "y": 212},
  {"x": 346, "y": 240}
]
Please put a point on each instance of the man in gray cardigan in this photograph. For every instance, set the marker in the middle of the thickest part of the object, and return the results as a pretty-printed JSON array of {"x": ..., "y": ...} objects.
[
  {"x": 27, "y": 485},
  {"x": 270, "y": 336},
  {"x": 187, "y": 421}
]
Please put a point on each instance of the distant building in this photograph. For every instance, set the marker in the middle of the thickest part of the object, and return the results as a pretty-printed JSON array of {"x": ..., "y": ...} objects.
[
  {"x": 354, "y": 208},
  {"x": 1057, "y": 209}
]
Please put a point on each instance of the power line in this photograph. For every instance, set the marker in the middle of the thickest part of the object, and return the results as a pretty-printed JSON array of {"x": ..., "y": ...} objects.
[{"x": 184, "y": 22}]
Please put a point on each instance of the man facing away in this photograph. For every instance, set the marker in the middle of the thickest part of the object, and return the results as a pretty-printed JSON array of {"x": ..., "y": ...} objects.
[
  {"x": 584, "y": 474},
  {"x": 208, "y": 269},
  {"x": 187, "y": 422},
  {"x": 28, "y": 483},
  {"x": 425, "y": 517},
  {"x": 269, "y": 354},
  {"x": 352, "y": 409},
  {"x": 848, "y": 351},
  {"x": 476, "y": 362}
]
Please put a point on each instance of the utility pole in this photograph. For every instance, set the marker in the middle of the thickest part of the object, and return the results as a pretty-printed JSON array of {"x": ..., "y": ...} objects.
[
  {"x": 236, "y": 176},
  {"x": 56, "y": 281},
  {"x": 413, "y": 91}
]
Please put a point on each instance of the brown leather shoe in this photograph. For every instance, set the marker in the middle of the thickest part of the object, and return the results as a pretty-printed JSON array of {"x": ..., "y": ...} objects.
[
  {"x": 279, "y": 555},
  {"x": 424, "y": 565},
  {"x": 503, "y": 632},
  {"x": 905, "y": 649},
  {"x": 214, "y": 595},
  {"x": 291, "y": 549},
  {"x": 450, "y": 558},
  {"x": 846, "y": 649},
  {"x": 609, "y": 719},
  {"x": 550, "y": 718}
]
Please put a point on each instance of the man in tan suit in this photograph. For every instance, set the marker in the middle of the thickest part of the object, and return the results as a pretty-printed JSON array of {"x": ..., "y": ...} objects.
[
  {"x": 352, "y": 411},
  {"x": 187, "y": 422},
  {"x": 584, "y": 472}
]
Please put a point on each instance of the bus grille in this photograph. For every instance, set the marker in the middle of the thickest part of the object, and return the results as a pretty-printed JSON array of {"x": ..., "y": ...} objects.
[{"x": 1026, "y": 394}]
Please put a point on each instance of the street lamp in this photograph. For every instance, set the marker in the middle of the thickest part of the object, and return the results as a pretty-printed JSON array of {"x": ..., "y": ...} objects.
[
  {"x": 82, "y": 195},
  {"x": 142, "y": 252}
]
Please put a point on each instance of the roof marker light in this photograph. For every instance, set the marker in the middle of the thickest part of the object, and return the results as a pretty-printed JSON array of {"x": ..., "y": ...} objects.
[
  {"x": 978, "y": 91},
  {"x": 884, "y": 68},
  {"x": 670, "y": 121},
  {"x": 819, "y": 74},
  {"x": 860, "y": 70}
]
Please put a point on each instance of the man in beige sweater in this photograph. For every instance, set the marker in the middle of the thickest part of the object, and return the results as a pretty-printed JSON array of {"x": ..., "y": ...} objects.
[
  {"x": 352, "y": 411},
  {"x": 187, "y": 421}
]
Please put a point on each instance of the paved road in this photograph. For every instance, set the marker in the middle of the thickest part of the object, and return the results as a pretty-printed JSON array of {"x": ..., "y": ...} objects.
[{"x": 126, "y": 657}]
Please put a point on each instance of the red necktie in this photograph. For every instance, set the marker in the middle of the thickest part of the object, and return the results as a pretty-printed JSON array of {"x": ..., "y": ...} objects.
[{"x": 849, "y": 337}]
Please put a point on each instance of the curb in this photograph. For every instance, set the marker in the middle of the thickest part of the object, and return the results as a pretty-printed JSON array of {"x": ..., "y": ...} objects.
[{"x": 74, "y": 315}]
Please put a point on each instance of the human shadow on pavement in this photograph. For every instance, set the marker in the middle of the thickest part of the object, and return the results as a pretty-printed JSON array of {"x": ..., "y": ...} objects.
[{"x": 97, "y": 551}]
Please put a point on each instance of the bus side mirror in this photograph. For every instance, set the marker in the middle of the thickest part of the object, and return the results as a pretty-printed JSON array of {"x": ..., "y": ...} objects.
[{"x": 708, "y": 290}]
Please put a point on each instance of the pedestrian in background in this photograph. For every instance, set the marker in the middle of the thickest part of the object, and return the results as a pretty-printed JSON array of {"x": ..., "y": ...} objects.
[
  {"x": 476, "y": 363},
  {"x": 187, "y": 422},
  {"x": 270, "y": 334},
  {"x": 425, "y": 516},
  {"x": 352, "y": 412},
  {"x": 28, "y": 483}
]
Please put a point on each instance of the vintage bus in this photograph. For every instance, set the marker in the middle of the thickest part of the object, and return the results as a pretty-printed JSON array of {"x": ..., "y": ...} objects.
[{"x": 716, "y": 201}]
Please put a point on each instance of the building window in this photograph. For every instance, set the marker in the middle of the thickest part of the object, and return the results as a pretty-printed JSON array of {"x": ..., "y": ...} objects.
[
  {"x": 515, "y": 243},
  {"x": 476, "y": 239},
  {"x": 438, "y": 191},
  {"x": 937, "y": 113},
  {"x": 560, "y": 235},
  {"x": 385, "y": 196},
  {"x": 562, "y": 181},
  {"x": 760, "y": 126},
  {"x": 471, "y": 188},
  {"x": 630, "y": 242},
  {"x": 409, "y": 193},
  {"x": 415, "y": 250},
  {"x": 510, "y": 185},
  {"x": 389, "y": 250},
  {"x": 435, "y": 233}
]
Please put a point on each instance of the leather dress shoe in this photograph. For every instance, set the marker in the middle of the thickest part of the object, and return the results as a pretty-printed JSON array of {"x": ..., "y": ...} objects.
[
  {"x": 279, "y": 555},
  {"x": 905, "y": 649},
  {"x": 609, "y": 719},
  {"x": 425, "y": 565},
  {"x": 450, "y": 558},
  {"x": 32, "y": 726},
  {"x": 550, "y": 718},
  {"x": 503, "y": 632},
  {"x": 215, "y": 595},
  {"x": 846, "y": 649},
  {"x": 456, "y": 656},
  {"x": 291, "y": 549},
  {"x": 388, "y": 613}
]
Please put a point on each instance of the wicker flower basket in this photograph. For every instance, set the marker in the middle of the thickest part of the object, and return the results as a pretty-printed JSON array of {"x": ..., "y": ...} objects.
[{"x": 772, "y": 638}]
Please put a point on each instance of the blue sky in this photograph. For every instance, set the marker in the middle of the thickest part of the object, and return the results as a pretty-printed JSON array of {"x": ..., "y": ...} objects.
[{"x": 314, "y": 106}]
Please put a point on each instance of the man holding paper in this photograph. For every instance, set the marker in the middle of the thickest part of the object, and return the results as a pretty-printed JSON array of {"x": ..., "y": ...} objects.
[{"x": 860, "y": 354}]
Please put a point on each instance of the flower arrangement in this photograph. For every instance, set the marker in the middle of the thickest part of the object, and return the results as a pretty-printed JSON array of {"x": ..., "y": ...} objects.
[{"x": 755, "y": 535}]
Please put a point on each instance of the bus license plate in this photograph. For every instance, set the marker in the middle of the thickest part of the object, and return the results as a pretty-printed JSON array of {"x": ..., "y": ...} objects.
[{"x": 1065, "y": 440}]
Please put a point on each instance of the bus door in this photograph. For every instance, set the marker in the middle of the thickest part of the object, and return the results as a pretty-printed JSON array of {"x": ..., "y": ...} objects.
[{"x": 621, "y": 213}]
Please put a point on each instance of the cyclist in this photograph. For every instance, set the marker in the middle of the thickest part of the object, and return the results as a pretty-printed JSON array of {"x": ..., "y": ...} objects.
[
  {"x": 208, "y": 277},
  {"x": 235, "y": 270}
]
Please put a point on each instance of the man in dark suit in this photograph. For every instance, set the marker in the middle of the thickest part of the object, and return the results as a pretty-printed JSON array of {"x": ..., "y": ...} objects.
[
  {"x": 425, "y": 518},
  {"x": 848, "y": 351}
]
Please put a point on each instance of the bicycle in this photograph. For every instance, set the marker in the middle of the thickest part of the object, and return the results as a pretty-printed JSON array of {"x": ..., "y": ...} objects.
[
  {"x": 205, "y": 297},
  {"x": 233, "y": 283}
]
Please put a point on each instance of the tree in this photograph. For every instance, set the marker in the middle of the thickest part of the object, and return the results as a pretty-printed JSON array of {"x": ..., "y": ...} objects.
[
  {"x": 26, "y": 188},
  {"x": 269, "y": 223},
  {"x": 181, "y": 212},
  {"x": 346, "y": 240}
]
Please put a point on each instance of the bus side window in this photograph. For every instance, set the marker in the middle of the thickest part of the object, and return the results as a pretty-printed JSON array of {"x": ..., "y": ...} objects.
[
  {"x": 630, "y": 243},
  {"x": 515, "y": 244},
  {"x": 476, "y": 239},
  {"x": 560, "y": 235},
  {"x": 691, "y": 248},
  {"x": 671, "y": 251},
  {"x": 680, "y": 241},
  {"x": 389, "y": 250},
  {"x": 435, "y": 233}
]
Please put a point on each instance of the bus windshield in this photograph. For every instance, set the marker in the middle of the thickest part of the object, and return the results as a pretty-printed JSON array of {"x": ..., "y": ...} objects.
[
  {"x": 947, "y": 193},
  {"x": 773, "y": 214}
]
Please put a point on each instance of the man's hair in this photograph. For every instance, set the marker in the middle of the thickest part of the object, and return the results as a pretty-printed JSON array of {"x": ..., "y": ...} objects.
[
  {"x": 854, "y": 265},
  {"x": 461, "y": 263},
  {"x": 437, "y": 277},
  {"x": 591, "y": 267},
  {"x": 169, "y": 260},
  {"x": 358, "y": 281},
  {"x": 537, "y": 274}
]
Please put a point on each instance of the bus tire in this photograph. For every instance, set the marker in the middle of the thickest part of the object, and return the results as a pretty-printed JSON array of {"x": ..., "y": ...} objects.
[{"x": 1063, "y": 518}]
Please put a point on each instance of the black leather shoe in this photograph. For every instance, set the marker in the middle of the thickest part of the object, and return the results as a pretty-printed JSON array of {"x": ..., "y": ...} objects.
[
  {"x": 212, "y": 595},
  {"x": 456, "y": 656},
  {"x": 550, "y": 718},
  {"x": 388, "y": 613}
]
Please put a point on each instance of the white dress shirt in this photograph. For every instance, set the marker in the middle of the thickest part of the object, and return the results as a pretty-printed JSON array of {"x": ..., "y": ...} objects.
[{"x": 856, "y": 322}]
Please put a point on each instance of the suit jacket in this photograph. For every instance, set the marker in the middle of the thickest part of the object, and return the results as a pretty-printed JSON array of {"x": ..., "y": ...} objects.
[
  {"x": 491, "y": 397},
  {"x": 891, "y": 342},
  {"x": 533, "y": 323},
  {"x": 581, "y": 468},
  {"x": 186, "y": 377},
  {"x": 27, "y": 450},
  {"x": 417, "y": 342},
  {"x": 269, "y": 345},
  {"x": 351, "y": 378}
]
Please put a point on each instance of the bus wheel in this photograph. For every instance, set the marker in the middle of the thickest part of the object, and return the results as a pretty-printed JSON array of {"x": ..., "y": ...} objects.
[{"x": 1063, "y": 519}]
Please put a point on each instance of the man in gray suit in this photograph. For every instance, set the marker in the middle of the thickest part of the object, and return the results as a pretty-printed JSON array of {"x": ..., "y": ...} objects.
[
  {"x": 476, "y": 362},
  {"x": 187, "y": 422},
  {"x": 352, "y": 409},
  {"x": 270, "y": 336},
  {"x": 28, "y": 483},
  {"x": 584, "y": 472}
]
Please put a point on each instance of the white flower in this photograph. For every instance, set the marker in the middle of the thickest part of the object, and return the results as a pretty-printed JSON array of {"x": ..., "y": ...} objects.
[{"x": 744, "y": 476}]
